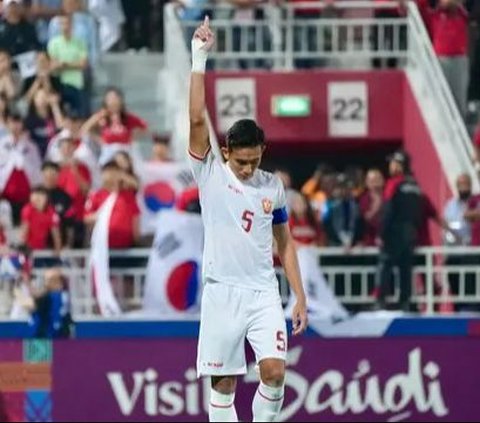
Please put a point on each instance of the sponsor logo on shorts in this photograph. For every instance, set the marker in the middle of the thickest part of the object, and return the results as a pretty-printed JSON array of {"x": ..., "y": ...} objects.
[{"x": 215, "y": 365}]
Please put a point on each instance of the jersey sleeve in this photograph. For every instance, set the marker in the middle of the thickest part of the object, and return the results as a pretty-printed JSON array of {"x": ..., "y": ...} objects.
[
  {"x": 280, "y": 215},
  {"x": 202, "y": 167}
]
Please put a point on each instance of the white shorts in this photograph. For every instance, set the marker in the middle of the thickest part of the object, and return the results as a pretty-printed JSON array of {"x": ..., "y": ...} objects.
[{"x": 229, "y": 316}]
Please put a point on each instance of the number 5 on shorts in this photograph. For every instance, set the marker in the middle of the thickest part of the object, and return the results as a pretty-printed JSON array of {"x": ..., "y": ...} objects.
[
  {"x": 248, "y": 220},
  {"x": 281, "y": 344}
]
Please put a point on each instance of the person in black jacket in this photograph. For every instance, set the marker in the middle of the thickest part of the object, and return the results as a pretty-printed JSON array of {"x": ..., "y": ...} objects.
[
  {"x": 17, "y": 35},
  {"x": 401, "y": 219}
]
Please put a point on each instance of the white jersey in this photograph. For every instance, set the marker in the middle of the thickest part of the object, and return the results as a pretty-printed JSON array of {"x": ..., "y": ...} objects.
[{"x": 238, "y": 218}]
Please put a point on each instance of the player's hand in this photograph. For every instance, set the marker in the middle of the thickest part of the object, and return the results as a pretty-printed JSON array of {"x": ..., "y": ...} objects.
[
  {"x": 203, "y": 38},
  {"x": 299, "y": 318}
]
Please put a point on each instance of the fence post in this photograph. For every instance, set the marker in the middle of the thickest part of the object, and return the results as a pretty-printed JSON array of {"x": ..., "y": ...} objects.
[{"x": 430, "y": 277}]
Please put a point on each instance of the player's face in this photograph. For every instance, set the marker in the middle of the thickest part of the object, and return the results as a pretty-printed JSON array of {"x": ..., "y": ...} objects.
[{"x": 244, "y": 161}]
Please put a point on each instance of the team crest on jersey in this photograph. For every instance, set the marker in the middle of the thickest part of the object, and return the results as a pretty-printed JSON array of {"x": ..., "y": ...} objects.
[{"x": 267, "y": 205}]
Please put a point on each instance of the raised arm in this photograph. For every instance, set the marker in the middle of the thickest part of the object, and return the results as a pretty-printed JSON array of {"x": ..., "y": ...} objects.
[{"x": 202, "y": 42}]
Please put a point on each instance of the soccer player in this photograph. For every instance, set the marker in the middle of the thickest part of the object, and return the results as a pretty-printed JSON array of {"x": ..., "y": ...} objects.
[{"x": 243, "y": 209}]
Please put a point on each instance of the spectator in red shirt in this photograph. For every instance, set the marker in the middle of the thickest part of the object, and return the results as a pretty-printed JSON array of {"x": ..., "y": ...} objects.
[
  {"x": 39, "y": 222},
  {"x": 124, "y": 229},
  {"x": 371, "y": 202},
  {"x": 75, "y": 180},
  {"x": 448, "y": 27},
  {"x": 61, "y": 202},
  {"x": 304, "y": 226},
  {"x": 20, "y": 165},
  {"x": 116, "y": 126}
]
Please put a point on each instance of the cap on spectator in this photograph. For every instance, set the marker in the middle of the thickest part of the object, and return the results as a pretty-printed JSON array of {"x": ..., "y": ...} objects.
[{"x": 401, "y": 157}]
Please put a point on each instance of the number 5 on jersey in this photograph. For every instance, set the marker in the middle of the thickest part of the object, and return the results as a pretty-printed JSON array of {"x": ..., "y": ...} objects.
[{"x": 247, "y": 218}]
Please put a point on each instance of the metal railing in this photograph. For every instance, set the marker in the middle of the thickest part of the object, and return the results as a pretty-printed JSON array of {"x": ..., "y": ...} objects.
[
  {"x": 441, "y": 276},
  {"x": 280, "y": 37}
]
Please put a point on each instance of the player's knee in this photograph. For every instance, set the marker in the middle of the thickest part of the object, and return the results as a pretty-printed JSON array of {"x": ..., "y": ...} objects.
[
  {"x": 224, "y": 385},
  {"x": 273, "y": 373}
]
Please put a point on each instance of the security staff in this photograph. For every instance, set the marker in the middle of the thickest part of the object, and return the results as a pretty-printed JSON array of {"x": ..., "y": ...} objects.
[{"x": 401, "y": 219}]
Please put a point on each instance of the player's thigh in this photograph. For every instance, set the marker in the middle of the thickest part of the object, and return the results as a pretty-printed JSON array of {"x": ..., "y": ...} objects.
[
  {"x": 267, "y": 329},
  {"x": 221, "y": 343}
]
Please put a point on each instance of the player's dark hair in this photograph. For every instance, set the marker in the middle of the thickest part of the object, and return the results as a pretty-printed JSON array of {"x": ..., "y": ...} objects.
[{"x": 245, "y": 133}]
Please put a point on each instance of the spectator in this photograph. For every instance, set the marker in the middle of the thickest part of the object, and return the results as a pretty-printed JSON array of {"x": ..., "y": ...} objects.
[
  {"x": 17, "y": 35},
  {"x": 124, "y": 229},
  {"x": 371, "y": 203},
  {"x": 9, "y": 81},
  {"x": 75, "y": 180},
  {"x": 41, "y": 12},
  {"x": 314, "y": 188},
  {"x": 307, "y": 37},
  {"x": 60, "y": 200},
  {"x": 128, "y": 179},
  {"x": 72, "y": 125},
  {"x": 44, "y": 118},
  {"x": 3, "y": 116},
  {"x": 448, "y": 26},
  {"x": 402, "y": 216},
  {"x": 116, "y": 125},
  {"x": 356, "y": 176},
  {"x": 42, "y": 80},
  {"x": 84, "y": 28},
  {"x": 51, "y": 311},
  {"x": 461, "y": 214},
  {"x": 3, "y": 237},
  {"x": 391, "y": 34},
  {"x": 20, "y": 165},
  {"x": 245, "y": 39},
  {"x": 342, "y": 221},
  {"x": 454, "y": 213},
  {"x": 472, "y": 215},
  {"x": 161, "y": 149},
  {"x": 39, "y": 222},
  {"x": 303, "y": 223},
  {"x": 429, "y": 212},
  {"x": 137, "y": 23},
  {"x": 69, "y": 58}
]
